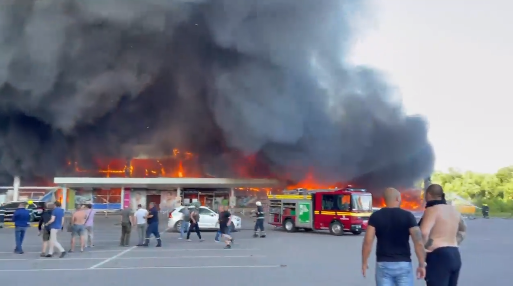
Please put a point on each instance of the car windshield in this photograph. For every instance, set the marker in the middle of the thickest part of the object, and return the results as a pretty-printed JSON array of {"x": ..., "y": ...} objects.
[{"x": 362, "y": 202}]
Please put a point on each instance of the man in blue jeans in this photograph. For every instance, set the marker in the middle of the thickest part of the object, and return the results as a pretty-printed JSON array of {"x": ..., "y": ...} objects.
[
  {"x": 21, "y": 219},
  {"x": 393, "y": 227},
  {"x": 186, "y": 217}
]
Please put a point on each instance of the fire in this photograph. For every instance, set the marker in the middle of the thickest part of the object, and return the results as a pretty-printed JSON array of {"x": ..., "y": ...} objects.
[
  {"x": 309, "y": 182},
  {"x": 180, "y": 164},
  {"x": 410, "y": 200}
]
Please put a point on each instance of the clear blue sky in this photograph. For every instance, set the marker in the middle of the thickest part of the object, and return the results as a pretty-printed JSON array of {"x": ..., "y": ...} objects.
[{"x": 453, "y": 62}]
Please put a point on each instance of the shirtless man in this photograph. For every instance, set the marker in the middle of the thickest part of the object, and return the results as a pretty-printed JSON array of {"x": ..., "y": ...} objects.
[
  {"x": 443, "y": 229},
  {"x": 78, "y": 228}
]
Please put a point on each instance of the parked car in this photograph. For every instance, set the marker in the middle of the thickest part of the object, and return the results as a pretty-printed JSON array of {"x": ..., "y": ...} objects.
[
  {"x": 36, "y": 209},
  {"x": 208, "y": 219}
]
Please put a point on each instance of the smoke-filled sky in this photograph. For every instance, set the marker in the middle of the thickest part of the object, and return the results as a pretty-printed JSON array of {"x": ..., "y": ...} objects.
[{"x": 88, "y": 79}]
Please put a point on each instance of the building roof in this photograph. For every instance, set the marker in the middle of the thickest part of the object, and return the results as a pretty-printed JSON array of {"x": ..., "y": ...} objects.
[{"x": 164, "y": 183}]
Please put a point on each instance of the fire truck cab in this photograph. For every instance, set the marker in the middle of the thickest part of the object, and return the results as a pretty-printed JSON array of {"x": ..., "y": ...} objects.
[{"x": 337, "y": 210}]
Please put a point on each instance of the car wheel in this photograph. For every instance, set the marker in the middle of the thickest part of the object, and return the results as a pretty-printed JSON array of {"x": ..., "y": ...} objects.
[
  {"x": 178, "y": 225},
  {"x": 356, "y": 232},
  {"x": 289, "y": 225},
  {"x": 232, "y": 227},
  {"x": 336, "y": 228}
]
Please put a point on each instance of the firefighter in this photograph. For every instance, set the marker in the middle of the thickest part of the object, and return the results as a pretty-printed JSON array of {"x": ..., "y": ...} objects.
[
  {"x": 259, "y": 224},
  {"x": 485, "y": 210}
]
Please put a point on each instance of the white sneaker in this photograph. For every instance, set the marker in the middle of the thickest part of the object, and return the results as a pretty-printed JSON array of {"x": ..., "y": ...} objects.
[
  {"x": 180, "y": 238},
  {"x": 189, "y": 240}
]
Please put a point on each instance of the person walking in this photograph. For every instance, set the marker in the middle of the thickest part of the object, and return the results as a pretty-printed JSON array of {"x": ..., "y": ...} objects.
[
  {"x": 89, "y": 225},
  {"x": 443, "y": 230},
  {"x": 220, "y": 213},
  {"x": 127, "y": 221},
  {"x": 186, "y": 217},
  {"x": 393, "y": 227},
  {"x": 195, "y": 217},
  {"x": 260, "y": 217},
  {"x": 44, "y": 227},
  {"x": 21, "y": 219},
  {"x": 56, "y": 223},
  {"x": 140, "y": 218},
  {"x": 153, "y": 225},
  {"x": 224, "y": 227}
]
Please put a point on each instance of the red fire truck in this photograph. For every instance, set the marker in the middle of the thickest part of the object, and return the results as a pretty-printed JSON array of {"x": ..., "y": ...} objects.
[{"x": 337, "y": 210}]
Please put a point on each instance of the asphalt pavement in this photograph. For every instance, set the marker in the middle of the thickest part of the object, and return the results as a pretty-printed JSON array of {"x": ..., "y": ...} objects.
[{"x": 280, "y": 259}]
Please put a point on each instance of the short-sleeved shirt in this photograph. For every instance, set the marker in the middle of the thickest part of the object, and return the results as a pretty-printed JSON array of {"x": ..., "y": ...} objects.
[
  {"x": 224, "y": 217},
  {"x": 126, "y": 214},
  {"x": 139, "y": 216},
  {"x": 90, "y": 218},
  {"x": 155, "y": 213},
  {"x": 393, "y": 233},
  {"x": 186, "y": 214},
  {"x": 58, "y": 213}
]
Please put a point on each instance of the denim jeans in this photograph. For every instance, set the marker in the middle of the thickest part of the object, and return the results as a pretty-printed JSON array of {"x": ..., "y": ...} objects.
[
  {"x": 394, "y": 274},
  {"x": 218, "y": 234},
  {"x": 184, "y": 228},
  {"x": 19, "y": 235}
]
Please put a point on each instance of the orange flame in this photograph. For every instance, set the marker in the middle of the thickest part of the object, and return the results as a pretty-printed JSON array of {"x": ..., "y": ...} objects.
[
  {"x": 410, "y": 200},
  {"x": 309, "y": 182}
]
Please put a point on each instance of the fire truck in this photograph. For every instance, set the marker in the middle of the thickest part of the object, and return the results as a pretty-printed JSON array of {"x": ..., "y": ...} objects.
[{"x": 337, "y": 210}]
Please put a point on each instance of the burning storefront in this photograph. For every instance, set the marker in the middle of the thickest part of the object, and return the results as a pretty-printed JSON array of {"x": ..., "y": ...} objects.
[{"x": 255, "y": 90}]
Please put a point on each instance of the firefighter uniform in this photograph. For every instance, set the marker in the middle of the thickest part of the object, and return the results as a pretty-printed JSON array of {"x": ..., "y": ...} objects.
[{"x": 259, "y": 224}]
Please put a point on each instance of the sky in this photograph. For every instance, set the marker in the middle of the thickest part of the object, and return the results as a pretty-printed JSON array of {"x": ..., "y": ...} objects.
[{"x": 451, "y": 61}]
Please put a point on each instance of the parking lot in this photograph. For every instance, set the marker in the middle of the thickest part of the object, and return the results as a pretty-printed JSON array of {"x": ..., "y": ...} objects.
[{"x": 281, "y": 258}]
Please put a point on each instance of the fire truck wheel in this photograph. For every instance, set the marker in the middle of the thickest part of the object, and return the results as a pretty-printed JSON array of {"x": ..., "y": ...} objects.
[
  {"x": 289, "y": 226},
  {"x": 336, "y": 228}
]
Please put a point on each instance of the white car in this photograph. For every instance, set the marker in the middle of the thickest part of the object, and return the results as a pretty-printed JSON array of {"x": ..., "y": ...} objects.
[{"x": 208, "y": 219}]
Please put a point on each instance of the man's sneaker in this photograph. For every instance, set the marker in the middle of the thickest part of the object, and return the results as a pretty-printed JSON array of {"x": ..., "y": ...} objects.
[
  {"x": 189, "y": 240},
  {"x": 216, "y": 240},
  {"x": 49, "y": 255},
  {"x": 262, "y": 236},
  {"x": 228, "y": 247},
  {"x": 62, "y": 254},
  {"x": 201, "y": 240},
  {"x": 180, "y": 238}
]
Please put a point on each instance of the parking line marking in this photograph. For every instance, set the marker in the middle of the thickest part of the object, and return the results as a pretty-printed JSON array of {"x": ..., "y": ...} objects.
[
  {"x": 156, "y": 250},
  {"x": 141, "y": 268},
  {"x": 112, "y": 258},
  {"x": 135, "y": 258}
]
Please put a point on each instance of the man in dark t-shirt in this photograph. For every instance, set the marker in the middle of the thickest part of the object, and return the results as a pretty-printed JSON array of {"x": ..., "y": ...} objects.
[
  {"x": 153, "y": 225},
  {"x": 224, "y": 222},
  {"x": 393, "y": 227}
]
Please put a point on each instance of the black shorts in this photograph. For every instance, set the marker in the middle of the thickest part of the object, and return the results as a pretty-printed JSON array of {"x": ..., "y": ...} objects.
[
  {"x": 223, "y": 228},
  {"x": 443, "y": 266}
]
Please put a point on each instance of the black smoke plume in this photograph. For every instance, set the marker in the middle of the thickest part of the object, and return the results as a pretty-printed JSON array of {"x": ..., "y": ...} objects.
[{"x": 87, "y": 79}]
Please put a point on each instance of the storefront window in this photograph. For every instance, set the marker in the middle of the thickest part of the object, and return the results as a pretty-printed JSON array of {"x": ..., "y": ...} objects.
[{"x": 109, "y": 196}]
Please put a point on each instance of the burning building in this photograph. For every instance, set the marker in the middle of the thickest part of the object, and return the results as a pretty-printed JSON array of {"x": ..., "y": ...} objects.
[{"x": 259, "y": 90}]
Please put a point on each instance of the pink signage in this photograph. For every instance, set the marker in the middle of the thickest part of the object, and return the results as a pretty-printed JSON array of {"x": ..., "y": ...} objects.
[{"x": 126, "y": 199}]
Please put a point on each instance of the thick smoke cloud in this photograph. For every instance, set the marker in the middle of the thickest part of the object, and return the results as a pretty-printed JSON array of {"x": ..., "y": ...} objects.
[{"x": 86, "y": 79}]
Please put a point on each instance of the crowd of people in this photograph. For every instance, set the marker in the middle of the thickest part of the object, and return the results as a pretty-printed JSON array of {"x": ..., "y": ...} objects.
[{"x": 81, "y": 226}]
